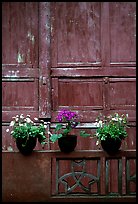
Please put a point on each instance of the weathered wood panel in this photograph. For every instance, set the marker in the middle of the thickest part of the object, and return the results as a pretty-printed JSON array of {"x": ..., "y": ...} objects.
[
  {"x": 76, "y": 34},
  {"x": 91, "y": 70},
  {"x": 32, "y": 180},
  {"x": 101, "y": 31},
  {"x": 44, "y": 60},
  {"x": 123, "y": 33},
  {"x": 20, "y": 33},
  {"x": 20, "y": 71},
  {"x": 72, "y": 92},
  {"x": 18, "y": 95},
  {"x": 77, "y": 55}
]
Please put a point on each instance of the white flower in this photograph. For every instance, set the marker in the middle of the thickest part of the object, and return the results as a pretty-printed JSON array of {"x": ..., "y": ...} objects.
[
  {"x": 28, "y": 120},
  {"x": 120, "y": 119},
  {"x": 49, "y": 133},
  {"x": 12, "y": 123},
  {"x": 7, "y": 130},
  {"x": 21, "y": 116},
  {"x": 115, "y": 119},
  {"x": 17, "y": 119},
  {"x": 21, "y": 124},
  {"x": 100, "y": 123},
  {"x": 97, "y": 143},
  {"x": 35, "y": 118}
]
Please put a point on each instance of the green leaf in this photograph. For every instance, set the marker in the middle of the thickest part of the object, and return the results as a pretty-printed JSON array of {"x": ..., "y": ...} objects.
[
  {"x": 84, "y": 134},
  {"x": 58, "y": 127},
  {"x": 43, "y": 143},
  {"x": 66, "y": 131},
  {"x": 55, "y": 137}
]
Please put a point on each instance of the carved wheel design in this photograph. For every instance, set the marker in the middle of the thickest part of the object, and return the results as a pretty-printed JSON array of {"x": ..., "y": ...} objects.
[{"x": 78, "y": 177}]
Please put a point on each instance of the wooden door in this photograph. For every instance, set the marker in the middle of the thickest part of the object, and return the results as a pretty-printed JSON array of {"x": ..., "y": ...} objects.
[
  {"x": 92, "y": 68},
  {"x": 20, "y": 70},
  {"x": 86, "y": 63},
  {"x": 76, "y": 55},
  {"x": 93, "y": 61}
]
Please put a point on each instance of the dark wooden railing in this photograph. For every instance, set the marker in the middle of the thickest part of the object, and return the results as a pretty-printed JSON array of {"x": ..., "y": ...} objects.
[{"x": 80, "y": 176}]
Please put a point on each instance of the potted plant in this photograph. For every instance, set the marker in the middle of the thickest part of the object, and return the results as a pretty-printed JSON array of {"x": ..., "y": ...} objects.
[
  {"x": 68, "y": 120},
  {"x": 111, "y": 130},
  {"x": 26, "y": 132}
]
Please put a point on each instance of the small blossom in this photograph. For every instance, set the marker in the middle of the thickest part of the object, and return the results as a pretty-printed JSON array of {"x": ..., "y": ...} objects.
[
  {"x": 49, "y": 133},
  {"x": 20, "y": 124},
  {"x": 96, "y": 124},
  {"x": 35, "y": 118},
  {"x": 28, "y": 120},
  {"x": 12, "y": 123},
  {"x": 7, "y": 130},
  {"x": 120, "y": 119},
  {"x": 115, "y": 119},
  {"x": 21, "y": 116},
  {"x": 97, "y": 133},
  {"x": 97, "y": 143},
  {"x": 100, "y": 123},
  {"x": 16, "y": 119}
]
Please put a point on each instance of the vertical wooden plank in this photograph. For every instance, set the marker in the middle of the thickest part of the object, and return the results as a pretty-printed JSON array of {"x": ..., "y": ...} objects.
[
  {"x": 53, "y": 39},
  {"x": 103, "y": 176},
  {"x": 55, "y": 92},
  {"x": 106, "y": 94},
  {"x": 105, "y": 42},
  {"x": 44, "y": 61},
  {"x": 120, "y": 172}
]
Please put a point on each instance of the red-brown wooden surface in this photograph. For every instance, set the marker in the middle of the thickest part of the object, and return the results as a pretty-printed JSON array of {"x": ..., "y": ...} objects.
[
  {"x": 35, "y": 178},
  {"x": 77, "y": 55}
]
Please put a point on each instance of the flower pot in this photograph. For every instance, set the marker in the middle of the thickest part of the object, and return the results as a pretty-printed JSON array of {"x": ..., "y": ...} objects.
[
  {"x": 111, "y": 146},
  {"x": 67, "y": 144},
  {"x": 28, "y": 148}
]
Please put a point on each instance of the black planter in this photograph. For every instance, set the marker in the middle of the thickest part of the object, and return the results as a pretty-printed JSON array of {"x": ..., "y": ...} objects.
[
  {"x": 111, "y": 146},
  {"x": 28, "y": 148},
  {"x": 67, "y": 144}
]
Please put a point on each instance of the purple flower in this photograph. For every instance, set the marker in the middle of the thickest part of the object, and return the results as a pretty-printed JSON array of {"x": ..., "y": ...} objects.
[{"x": 66, "y": 116}]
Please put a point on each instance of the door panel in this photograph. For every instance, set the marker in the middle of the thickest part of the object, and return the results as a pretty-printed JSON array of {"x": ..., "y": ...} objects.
[
  {"x": 89, "y": 53},
  {"x": 20, "y": 72},
  {"x": 14, "y": 100},
  {"x": 123, "y": 33},
  {"x": 20, "y": 33},
  {"x": 19, "y": 59},
  {"x": 71, "y": 44}
]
